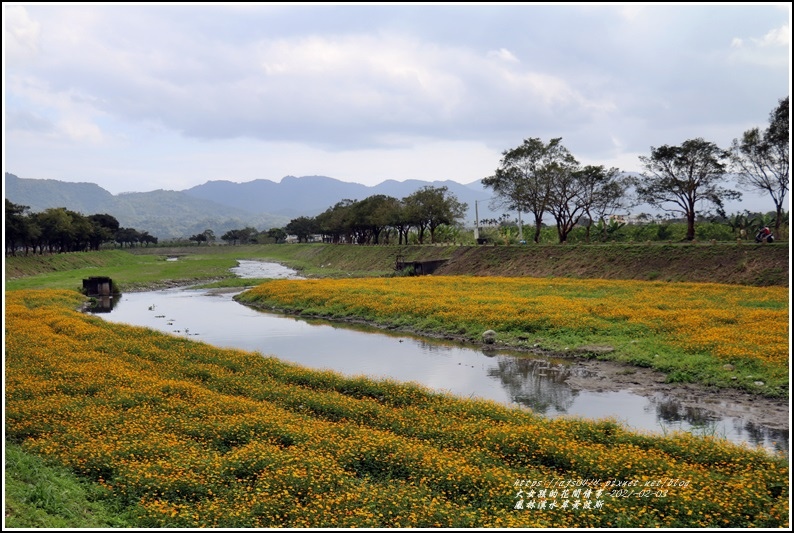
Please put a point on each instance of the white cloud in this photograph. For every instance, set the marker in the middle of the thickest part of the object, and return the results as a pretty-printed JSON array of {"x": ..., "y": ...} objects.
[
  {"x": 777, "y": 37},
  {"x": 78, "y": 129},
  {"x": 771, "y": 50},
  {"x": 503, "y": 54},
  {"x": 20, "y": 34}
]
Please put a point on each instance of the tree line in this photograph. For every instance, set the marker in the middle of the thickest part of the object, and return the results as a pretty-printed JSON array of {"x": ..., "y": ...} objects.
[
  {"x": 380, "y": 218},
  {"x": 545, "y": 178},
  {"x": 57, "y": 230}
]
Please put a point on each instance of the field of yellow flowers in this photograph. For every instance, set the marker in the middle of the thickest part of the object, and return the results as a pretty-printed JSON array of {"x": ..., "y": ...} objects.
[
  {"x": 194, "y": 436},
  {"x": 689, "y": 330}
]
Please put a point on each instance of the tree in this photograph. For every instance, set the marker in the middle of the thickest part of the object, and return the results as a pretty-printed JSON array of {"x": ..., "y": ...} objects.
[
  {"x": 147, "y": 239},
  {"x": 104, "y": 228},
  {"x": 402, "y": 220},
  {"x": 523, "y": 180},
  {"x": 605, "y": 192},
  {"x": 82, "y": 232},
  {"x": 302, "y": 227},
  {"x": 375, "y": 213},
  {"x": 761, "y": 160},
  {"x": 679, "y": 178},
  {"x": 231, "y": 236},
  {"x": 16, "y": 227},
  {"x": 209, "y": 236},
  {"x": 568, "y": 194},
  {"x": 432, "y": 207},
  {"x": 738, "y": 222},
  {"x": 127, "y": 235},
  {"x": 198, "y": 237},
  {"x": 57, "y": 231},
  {"x": 278, "y": 235}
]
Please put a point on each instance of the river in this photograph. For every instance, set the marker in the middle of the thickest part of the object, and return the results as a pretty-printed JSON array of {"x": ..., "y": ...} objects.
[{"x": 536, "y": 383}]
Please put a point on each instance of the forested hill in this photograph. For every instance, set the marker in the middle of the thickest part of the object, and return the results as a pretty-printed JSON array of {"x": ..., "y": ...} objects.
[{"x": 164, "y": 214}]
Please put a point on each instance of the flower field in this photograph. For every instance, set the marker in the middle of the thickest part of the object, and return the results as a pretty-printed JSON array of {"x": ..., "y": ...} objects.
[
  {"x": 196, "y": 436},
  {"x": 675, "y": 327}
]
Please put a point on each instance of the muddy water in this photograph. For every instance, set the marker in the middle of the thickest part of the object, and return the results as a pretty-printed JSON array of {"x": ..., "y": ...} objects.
[{"x": 541, "y": 384}]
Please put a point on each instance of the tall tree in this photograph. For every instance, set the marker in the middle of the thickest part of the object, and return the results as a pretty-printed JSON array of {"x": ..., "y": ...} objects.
[
  {"x": 525, "y": 175},
  {"x": 679, "y": 178},
  {"x": 57, "y": 230},
  {"x": 301, "y": 227},
  {"x": 761, "y": 159},
  {"x": 335, "y": 223},
  {"x": 402, "y": 220},
  {"x": 568, "y": 195},
  {"x": 433, "y": 207},
  {"x": 16, "y": 227},
  {"x": 104, "y": 228},
  {"x": 605, "y": 192}
]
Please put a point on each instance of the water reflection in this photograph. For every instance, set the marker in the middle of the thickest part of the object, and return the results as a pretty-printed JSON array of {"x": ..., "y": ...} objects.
[
  {"x": 262, "y": 269},
  {"x": 539, "y": 384},
  {"x": 103, "y": 303}
]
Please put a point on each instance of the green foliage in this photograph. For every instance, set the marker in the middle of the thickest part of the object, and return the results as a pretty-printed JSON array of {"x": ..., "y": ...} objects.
[
  {"x": 42, "y": 495},
  {"x": 678, "y": 178},
  {"x": 761, "y": 159}
]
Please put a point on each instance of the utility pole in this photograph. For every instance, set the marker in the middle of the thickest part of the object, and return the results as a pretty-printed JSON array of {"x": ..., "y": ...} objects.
[
  {"x": 476, "y": 221},
  {"x": 520, "y": 229}
]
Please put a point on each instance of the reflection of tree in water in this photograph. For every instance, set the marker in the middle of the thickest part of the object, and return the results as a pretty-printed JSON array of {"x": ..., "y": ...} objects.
[
  {"x": 757, "y": 435},
  {"x": 535, "y": 383},
  {"x": 670, "y": 411}
]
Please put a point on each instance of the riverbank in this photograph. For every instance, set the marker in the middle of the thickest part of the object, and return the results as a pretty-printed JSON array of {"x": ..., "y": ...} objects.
[
  {"x": 149, "y": 267},
  {"x": 730, "y": 263}
]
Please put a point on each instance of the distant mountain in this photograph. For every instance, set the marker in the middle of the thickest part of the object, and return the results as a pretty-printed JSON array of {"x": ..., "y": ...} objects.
[
  {"x": 311, "y": 195},
  {"x": 42, "y": 194},
  {"x": 225, "y": 205}
]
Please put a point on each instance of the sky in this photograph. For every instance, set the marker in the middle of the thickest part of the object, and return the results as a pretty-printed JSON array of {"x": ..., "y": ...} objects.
[{"x": 139, "y": 97}]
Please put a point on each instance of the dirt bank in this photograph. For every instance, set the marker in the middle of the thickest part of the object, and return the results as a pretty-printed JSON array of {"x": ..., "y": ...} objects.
[
  {"x": 743, "y": 264},
  {"x": 603, "y": 376}
]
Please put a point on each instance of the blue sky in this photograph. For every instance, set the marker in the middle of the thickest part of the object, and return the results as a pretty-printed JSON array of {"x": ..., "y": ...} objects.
[{"x": 141, "y": 97}]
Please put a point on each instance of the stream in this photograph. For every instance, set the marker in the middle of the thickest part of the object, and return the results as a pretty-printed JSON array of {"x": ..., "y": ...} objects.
[{"x": 537, "y": 383}]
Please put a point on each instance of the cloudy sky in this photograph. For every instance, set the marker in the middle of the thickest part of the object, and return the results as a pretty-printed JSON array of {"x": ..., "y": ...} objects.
[{"x": 144, "y": 97}]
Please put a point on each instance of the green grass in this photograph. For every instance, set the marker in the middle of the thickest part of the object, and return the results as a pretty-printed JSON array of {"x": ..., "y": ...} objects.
[
  {"x": 148, "y": 268},
  {"x": 42, "y": 495},
  {"x": 129, "y": 271}
]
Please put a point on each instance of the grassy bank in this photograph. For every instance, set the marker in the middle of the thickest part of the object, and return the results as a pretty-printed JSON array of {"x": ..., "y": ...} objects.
[
  {"x": 149, "y": 267},
  {"x": 153, "y": 267},
  {"x": 39, "y": 494},
  {"x": 182, "y": 434}
]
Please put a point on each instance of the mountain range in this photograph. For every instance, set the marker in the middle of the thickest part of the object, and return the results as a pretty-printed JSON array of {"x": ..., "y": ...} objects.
[{"x": 224, "y": 205}]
